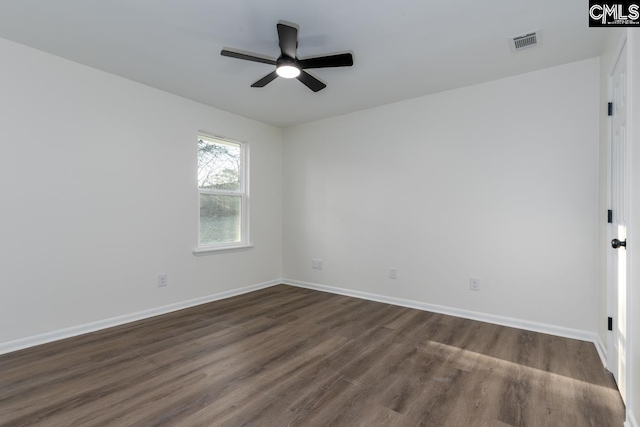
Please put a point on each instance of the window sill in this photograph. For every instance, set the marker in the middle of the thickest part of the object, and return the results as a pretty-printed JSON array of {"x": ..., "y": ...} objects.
[{"x": 219, "y": 249}]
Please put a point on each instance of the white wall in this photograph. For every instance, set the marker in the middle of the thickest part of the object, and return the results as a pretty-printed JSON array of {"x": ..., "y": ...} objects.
[
  {"x": 99, "y": 196},
  {"x": 497, "y": 181}
]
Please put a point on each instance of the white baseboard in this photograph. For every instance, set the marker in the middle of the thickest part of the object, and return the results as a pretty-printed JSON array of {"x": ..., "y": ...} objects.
[
  {"x": 602, "y": 350},
  {"x": 47, "y": 337},
  {"x": 19, "y": 344},
  {"x": 458, "y": 312}
]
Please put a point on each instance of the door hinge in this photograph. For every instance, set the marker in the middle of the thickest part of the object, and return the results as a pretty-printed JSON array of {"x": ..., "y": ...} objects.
[
  {"x": 610, "y": 109},
  {"x": 609, "y": 216},
  {"x": 610, "y": 323}
]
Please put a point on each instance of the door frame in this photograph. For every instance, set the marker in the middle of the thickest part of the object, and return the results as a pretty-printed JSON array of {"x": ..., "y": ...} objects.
[{"x": 611, "y": 296}]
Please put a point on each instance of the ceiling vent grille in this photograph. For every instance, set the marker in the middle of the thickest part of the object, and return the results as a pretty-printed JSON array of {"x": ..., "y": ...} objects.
[{"x": 525, "y": 41}]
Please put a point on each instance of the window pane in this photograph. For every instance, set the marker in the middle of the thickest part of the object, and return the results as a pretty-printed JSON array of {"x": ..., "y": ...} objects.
[
  {"x": 218, "y": 165},
  {"x": 220, "y": 219}
]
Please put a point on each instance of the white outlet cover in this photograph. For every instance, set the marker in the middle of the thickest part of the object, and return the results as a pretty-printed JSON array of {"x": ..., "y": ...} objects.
[
  {"x": 393, "y": 273},
  {"x": 474, "y": 284},
  {"x": 162, "y": 280}
]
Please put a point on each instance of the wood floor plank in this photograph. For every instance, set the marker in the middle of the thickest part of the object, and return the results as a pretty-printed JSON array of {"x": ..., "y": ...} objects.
[{"x": 289, "y": 356}]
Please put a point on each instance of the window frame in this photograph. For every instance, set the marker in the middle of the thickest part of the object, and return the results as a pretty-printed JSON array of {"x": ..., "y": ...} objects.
[{"x": 243, "y": 193}]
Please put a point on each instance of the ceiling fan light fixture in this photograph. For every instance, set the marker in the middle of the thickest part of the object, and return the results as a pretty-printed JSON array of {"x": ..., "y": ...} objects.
[{"x": 288, "y": 71}]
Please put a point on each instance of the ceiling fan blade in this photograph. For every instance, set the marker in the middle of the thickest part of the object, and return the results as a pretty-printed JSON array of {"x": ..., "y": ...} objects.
[
  {"x": 265, "y": 80},
  {"x": 288, "y": 40},
  {"x": 340, "y": 60},
  {"x": 247, "y": 57},
  {"x": 311, "y": 82}
]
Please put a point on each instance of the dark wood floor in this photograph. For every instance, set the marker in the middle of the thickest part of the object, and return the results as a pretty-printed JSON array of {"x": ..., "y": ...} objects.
[{"x": 287, "y": 356}]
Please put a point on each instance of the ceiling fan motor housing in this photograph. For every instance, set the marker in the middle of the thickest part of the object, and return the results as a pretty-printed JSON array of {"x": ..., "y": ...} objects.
[{"x": 285, "y": 60}]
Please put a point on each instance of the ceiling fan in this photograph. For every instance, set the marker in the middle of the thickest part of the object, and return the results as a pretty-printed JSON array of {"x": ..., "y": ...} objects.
[{"x": 288, "y": 65}]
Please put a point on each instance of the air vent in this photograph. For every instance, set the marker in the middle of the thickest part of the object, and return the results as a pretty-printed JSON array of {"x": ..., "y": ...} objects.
[{"x": 525, "y": 41}]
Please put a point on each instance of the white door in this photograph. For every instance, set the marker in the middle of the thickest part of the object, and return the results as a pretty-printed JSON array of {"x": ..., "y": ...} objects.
[{"x": 620, "y": 207}]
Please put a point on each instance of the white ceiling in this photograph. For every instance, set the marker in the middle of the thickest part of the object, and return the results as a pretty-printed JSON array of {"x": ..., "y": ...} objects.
[{"x": 402, "y": 48}]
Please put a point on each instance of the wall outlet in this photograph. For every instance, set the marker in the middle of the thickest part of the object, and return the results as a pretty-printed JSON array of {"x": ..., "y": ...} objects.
[
  {"x": 162, "y": 280},
  {"x": 474, "y": 283},
  {"x": 318, "y": 264},
  {"x": 393, "y": 273}
]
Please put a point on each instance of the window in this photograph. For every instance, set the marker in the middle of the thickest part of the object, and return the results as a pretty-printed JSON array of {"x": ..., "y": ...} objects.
[{"x": 222, "y": 188}]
